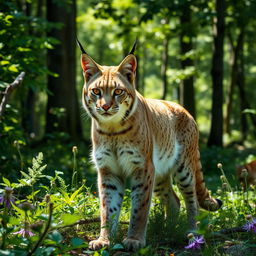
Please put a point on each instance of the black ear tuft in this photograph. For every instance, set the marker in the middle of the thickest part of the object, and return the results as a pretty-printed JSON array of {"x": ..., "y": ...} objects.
[
  {"x": 134, "y": 47},
  {"x": 80, "y": 46}
]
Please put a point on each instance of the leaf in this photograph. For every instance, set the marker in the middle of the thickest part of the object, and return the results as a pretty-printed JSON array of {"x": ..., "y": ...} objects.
[
  {"x": 25, "y": 175},
  {"x": 13, "y": 68},
  {"x": 118, "y": 247},
  {"x": 76, "y": 241},
  {"x": 7, "y": 182},
  {"x": 69, "y": 219},
  {"x": 56, "y": 236},
  {"x": 4, "y": 62},
  {"x": 14, "y": 221},
  {"x": 249, "y": 111},
  {"x": 21, "y": 212},
  {"x": 104, "y": 253},
  {"x": 75, "y": 193}
]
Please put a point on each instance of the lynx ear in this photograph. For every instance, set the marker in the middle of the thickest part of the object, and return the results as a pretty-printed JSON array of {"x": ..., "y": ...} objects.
[
  {"x": 128, "y": 67},
  {"x": 89, "y": 66}
]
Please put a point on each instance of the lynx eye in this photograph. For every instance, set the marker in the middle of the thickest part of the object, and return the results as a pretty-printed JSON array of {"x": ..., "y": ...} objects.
[
  {"x": 96, "y": 91},
  {"x": 118, "y": 91}
]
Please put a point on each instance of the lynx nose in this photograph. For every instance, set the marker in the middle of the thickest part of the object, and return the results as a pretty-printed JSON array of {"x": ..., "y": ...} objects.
[{"x": 106, "y": 107}]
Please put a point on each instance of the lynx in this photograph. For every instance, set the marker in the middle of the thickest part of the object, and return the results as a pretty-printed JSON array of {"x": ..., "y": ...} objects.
[
  {"x": 247, "y": 177},
  {"x": 149, "y": 141}
]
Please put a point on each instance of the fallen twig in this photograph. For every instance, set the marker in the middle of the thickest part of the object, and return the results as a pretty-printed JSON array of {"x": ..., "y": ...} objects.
[{"x": 18, "y": 80}]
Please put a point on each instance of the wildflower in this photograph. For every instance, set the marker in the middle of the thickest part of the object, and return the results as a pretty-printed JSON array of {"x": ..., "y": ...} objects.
[
  {"x": 16, "y": 144},
  {"x": 219, "y": 165},
  {"x": 251, "y": 224},
  {"x": 224, "y": 186},
  {"x": 244, "y": 173},
  {"x": 47, "y": 198},
  {"x": 24, "y": 233},
  {"x": 74, "y": 149},
  {"x": 7, "y": 198},
  {"x": 26, "y": 206},
  {"x": 195, "y": 242},
  {"x": 222, "y": 178}
]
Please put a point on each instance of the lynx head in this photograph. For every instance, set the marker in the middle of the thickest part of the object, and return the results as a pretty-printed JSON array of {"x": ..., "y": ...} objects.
[{"x": 109, "y": 94}]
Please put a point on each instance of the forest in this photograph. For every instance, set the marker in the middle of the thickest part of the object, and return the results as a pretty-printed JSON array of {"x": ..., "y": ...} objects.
[{"x": 200, "y": 54}]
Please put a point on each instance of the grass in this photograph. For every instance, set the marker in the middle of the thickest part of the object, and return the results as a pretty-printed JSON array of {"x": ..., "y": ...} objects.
[{"x": 63, "y": 215}]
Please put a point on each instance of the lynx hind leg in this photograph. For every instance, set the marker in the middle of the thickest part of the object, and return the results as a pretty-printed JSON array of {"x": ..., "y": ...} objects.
[
  {"x": 186, "y": 182},
  {"x": 164, "y": 190}
]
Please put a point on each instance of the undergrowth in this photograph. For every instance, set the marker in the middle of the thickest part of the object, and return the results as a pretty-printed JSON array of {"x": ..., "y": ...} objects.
[{"x": 42, "y": 214}]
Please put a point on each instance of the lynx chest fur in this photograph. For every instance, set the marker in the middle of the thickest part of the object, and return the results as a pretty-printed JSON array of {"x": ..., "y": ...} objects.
[
  {"x": 146, "y": 141},
  {"x": 151, "y": 142}
]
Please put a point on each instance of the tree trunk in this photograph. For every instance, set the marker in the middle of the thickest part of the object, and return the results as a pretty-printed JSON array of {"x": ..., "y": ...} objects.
[
  {"x": 164, "y": 67},
  {"x": 235, "y": 51},
  {"x": 187, "y": 93},
  {"x": 241, "y": 87},
  {"x": 216, "y": 132},
  {"x": 29, "y": 102},
  {"x": 244, "y": 103},
  {"x": 62, "y": 60}
]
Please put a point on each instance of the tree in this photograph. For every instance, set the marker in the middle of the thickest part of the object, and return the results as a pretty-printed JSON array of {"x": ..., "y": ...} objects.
[
  {"x": 187, "y": 93},
  {"x": 62, "y": 107},
  {"x": 216, "y": 131}
]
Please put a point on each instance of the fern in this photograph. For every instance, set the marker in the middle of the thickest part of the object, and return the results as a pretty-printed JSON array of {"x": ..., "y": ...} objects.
[
  {"x": 34, "y": 173},
  {"x": 57, "y": 182},
  {"x": 61, "y": 181}
]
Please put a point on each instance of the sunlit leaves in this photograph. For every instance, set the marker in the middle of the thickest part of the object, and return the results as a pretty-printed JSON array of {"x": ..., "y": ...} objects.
[{"x": 68, "y": 219}]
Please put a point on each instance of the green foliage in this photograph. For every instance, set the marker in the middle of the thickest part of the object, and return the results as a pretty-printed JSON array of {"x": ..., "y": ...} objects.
[
  {"x": 34, "y": 173},
  {"x": 30, "y": 214},
  {"x": 21, "y": 47}
]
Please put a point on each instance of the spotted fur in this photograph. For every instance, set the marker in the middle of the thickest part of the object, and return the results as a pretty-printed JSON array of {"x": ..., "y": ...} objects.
[
  {"x": 249, "y": 177},
  {"x": 150, "y": 141}
]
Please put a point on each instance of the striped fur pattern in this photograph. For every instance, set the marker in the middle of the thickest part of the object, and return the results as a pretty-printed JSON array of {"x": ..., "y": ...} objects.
[
  {"x": 150, "y": 141},
  {"x": 250, "y": 177}
]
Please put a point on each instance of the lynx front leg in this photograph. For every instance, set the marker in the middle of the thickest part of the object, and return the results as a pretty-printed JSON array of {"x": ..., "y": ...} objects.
[
  {"x": 111, "y": 191},
  {"x": 141, "y": 191}
]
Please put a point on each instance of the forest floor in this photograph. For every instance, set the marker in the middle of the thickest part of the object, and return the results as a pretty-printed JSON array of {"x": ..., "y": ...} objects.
[{"x": 68, "y": 185}]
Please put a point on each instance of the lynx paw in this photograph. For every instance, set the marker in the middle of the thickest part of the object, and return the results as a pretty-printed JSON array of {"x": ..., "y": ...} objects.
[
  {"x": 132, "y": 244},
  {"x": 98, "y": 244}
]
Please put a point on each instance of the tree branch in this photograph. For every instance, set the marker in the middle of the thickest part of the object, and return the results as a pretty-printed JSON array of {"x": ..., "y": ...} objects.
[{"x": 9, "y": 90}]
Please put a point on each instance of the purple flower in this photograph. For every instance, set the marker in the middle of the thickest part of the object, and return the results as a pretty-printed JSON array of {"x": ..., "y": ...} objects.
[
  {"x": 195, "y": 243},
  {"x": 7, "y": 198},
  {"x": 250, "y": 225},
  {"x": 24, "y": 233}
]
